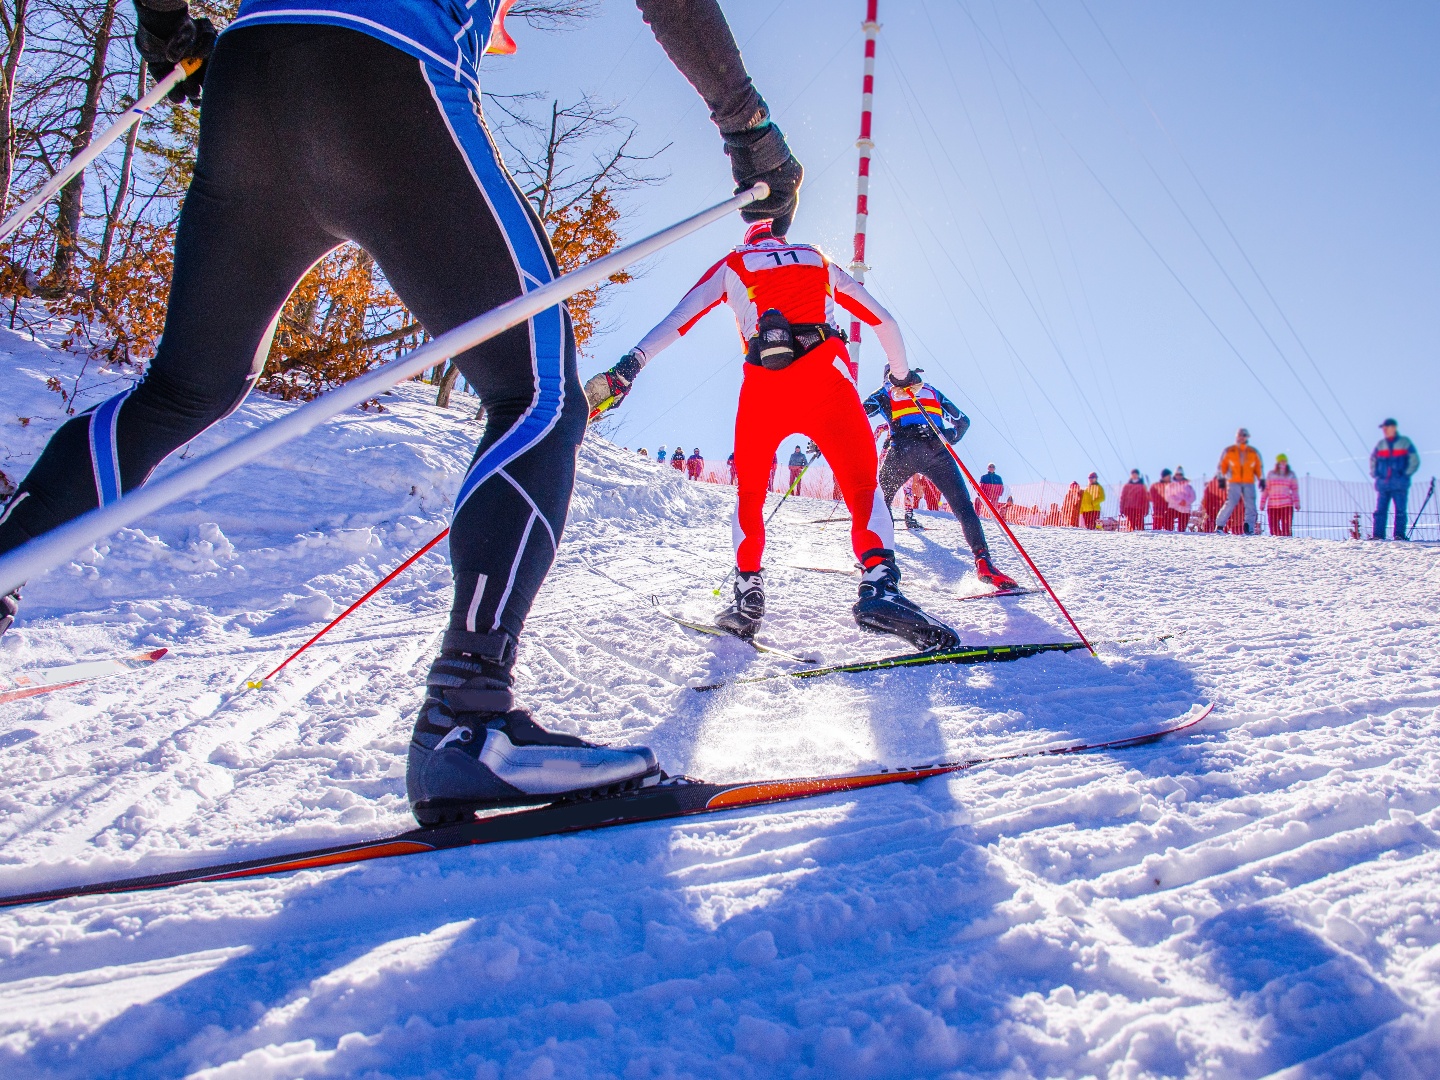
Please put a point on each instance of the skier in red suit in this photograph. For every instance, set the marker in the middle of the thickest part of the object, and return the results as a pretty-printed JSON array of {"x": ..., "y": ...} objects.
[{"x": 797, "y": 378}]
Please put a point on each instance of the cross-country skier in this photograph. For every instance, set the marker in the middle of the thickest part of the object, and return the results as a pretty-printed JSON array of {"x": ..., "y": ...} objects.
[
  {"x": 796, "y": 379},
  {"x": 360, "y": 120},
  {"x": 914, "y": 448}
]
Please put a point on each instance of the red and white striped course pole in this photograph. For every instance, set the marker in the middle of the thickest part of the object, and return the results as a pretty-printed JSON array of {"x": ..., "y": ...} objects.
[{"x": 862, "y": 184}]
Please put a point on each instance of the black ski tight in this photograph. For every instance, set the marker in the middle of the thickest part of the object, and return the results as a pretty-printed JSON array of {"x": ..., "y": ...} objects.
[
  {"x": 311, "y": 136},
  {"x": 927, "y": 456}
]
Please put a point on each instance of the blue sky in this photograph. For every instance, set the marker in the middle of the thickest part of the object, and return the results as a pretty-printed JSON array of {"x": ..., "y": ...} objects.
[{"x": 1068, "y": 217}]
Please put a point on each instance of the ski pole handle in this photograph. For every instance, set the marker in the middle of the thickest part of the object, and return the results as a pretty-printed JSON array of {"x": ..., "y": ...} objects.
[
  {"x": 53, "y": 548},
  {"x": 82, "y": 160}
]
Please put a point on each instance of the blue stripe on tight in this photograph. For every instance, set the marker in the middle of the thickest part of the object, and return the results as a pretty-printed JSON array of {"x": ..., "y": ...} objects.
[
  {"x": 104, "y": 458},
  {"x": 531, "y": 257}
]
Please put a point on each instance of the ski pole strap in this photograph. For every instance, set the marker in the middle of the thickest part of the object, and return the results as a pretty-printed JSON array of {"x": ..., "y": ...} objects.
[{"x": 55, "y": 547}]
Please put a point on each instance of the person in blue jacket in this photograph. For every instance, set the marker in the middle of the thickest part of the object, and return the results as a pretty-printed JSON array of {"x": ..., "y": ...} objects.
[
  {"x": 914, "y": 448},
  {"x": 360, "y": 120},
  {"x": 1392, "y": 463}
]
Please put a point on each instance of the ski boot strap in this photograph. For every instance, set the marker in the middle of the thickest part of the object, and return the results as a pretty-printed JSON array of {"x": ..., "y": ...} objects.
[{"x": 497, "y": 647}]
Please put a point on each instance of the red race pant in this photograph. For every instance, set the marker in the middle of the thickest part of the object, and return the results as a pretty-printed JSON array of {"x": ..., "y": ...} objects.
[{"x": 811, "y": 397}]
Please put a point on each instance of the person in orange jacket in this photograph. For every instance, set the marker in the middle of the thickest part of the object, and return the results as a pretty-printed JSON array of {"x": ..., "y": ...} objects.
[{"x": 1242, "y": 469}]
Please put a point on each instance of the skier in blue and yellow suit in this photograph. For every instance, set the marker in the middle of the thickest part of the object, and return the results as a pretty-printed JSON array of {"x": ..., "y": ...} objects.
[{"x": 327, "y": 121}]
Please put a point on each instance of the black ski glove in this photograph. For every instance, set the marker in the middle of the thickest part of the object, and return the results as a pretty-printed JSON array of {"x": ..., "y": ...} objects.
[
  {"x": 912, "y": 378},
  {"x": 165, "y": 34},
  {"x": 955, "y": 434},
  {"x": 608, "y": 389},
  {"x": 761, "y": 153}
]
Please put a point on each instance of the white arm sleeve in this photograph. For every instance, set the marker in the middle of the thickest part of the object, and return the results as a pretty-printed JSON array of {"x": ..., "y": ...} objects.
[
  {"x": 851, "y": 295},
  {"x": 707, "y": 292}
]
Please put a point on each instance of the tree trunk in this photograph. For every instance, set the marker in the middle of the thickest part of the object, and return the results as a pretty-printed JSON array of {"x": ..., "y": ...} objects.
[
  {"x": 72, "y": 195},
  {"x": 122, "y": 192},
  {"x": 447, "y": 384},
  {"x": 14, "y": 15}
]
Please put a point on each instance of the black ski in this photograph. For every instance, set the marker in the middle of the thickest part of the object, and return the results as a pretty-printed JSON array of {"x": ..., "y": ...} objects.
[
  {"x": 758, "y": 646},
  {"x": 980, "y": 654},
  {"x": 670, "y": 799},
  {"x": 997, "y": 594}
]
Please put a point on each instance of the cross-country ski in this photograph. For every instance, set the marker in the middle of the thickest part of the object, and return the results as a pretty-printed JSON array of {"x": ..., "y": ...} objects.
[
  {"x": 671, "y": 798},
  {"x": 403, "y": 404},
  {"x": 28, "y": 684}
]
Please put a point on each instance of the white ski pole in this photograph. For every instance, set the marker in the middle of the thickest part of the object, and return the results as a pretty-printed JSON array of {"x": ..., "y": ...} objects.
[
  {"x": 98, "y": 146},
  {"x": 48, "y": 551}
]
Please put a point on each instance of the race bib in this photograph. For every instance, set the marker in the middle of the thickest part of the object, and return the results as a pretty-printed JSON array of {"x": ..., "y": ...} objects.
[{"x": 778, "y": 258}]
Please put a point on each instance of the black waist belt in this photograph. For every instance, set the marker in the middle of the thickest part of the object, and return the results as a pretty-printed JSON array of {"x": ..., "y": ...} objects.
[{"x": 807, "y": 336}]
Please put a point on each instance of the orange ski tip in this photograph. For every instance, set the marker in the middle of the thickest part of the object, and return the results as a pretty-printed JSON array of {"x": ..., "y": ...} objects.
[
  {"x": 335, "y": 858},
  {"x": 779, "y": 790},
  {"x": 501, "y": 43}
]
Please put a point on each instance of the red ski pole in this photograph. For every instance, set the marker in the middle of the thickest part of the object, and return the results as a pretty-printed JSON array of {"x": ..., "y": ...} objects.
[
  {"x": 995, "y": 511},
  {"x": 256, "y": 684}
]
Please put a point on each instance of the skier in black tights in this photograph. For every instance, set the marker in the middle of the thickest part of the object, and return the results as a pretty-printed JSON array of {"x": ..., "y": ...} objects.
[
  {"x": 359, "y": 120},
  {"x": 914, "y": 448}
]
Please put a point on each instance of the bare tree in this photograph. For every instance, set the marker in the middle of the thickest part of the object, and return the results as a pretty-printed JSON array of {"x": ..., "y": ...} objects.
[{"x": 13, "y": 16}]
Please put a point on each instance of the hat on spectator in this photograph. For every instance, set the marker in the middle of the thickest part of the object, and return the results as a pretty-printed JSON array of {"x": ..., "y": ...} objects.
[
  {"x": 991, "y": 466},
  {"x": 1389, "y": 422},
  {"x": 1179, "y": 471},
  {"x": 1282, "y": 457},
  {"x": 1243, "y": 431},
  {"x": 1164, "y": 473}
]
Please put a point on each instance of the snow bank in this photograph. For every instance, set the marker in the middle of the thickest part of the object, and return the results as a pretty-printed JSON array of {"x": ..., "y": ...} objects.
[{"x": 1259, "y": 897}]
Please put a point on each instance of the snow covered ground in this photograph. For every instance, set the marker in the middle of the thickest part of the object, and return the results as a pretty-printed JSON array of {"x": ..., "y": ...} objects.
[{"x": 1261, "y": 897}]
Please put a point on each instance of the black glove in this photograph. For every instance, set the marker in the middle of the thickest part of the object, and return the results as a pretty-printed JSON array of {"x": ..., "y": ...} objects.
[
  {"x": 761, "y": 153},
  {"x": 606, "y": 390},
  {"x": 912, "y": 378},
  {"x": 165, "y": 34},
  {"x": 955, "y": 434}
]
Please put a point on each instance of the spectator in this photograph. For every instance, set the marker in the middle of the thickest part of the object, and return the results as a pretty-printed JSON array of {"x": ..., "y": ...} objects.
[
  {"x": 695, "y": 466},
  {"x": 993, "y": 486},
  {"x": 1091, "y": 499},
  {"x": 644, "y": 453},
  {"x": 677, "y": 459},
  {"x": 1211, "y": 503},
  {"x": 1159, "y": 502},
  {"x": 774, "y": 464},
  {"x": 1393, "y": 461},
  {"x": 1280, "y": 497},
  {"x": 1133, "y": 499},
  {"x": 1070, "y": 509},
  {"x": 730, "y": 464},
  {"x": 1242, "y": 469},
  {"x": 1179, "y": 500},
  {"x": 797, "y": 465},
  {"x": 660, "y": 454}
]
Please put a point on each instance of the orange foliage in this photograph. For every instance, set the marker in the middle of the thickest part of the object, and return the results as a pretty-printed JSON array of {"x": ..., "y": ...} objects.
[
  {"x": 120, "y": 316},
  {"x": 327, "y": 333},
  {"x": 579, "y": 233}
]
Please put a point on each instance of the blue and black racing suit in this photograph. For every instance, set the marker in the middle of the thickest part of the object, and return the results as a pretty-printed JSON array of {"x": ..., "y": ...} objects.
[{"x": 359, "y": 120}]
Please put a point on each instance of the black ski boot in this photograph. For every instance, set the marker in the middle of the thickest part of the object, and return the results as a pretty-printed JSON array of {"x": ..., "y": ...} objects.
[
  {"x": 884, "y": 609},
  {"x": 911, "y": 523},
  {"x": 472, "y": 750},
  {"x": 742, "y": 617},
  {"x": 9, "y": 605}
]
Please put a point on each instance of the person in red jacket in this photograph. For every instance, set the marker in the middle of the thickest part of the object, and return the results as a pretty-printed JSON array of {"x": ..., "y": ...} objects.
[
  {"x": 797, "y": 378},
  {"x": 1133, "y": 499},
  {"x": 1160, "y": 518},
  {"x": 694, "y": 464}
]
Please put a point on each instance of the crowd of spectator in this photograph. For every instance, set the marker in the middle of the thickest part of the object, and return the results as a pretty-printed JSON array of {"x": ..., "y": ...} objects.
[{"x": 1229, "y": 501}]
